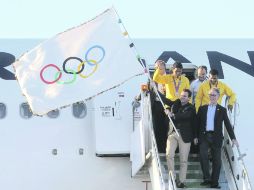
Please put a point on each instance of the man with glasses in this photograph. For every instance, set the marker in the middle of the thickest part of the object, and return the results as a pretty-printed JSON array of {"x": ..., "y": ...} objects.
[
  {"x": 201, "y": 77},
  {"x": 202, "y": 97},
  {"x": 210, "y": 134}
]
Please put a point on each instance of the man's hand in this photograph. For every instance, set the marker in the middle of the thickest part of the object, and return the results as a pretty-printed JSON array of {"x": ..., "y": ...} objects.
[
  {"x": 169, "y": 113},
  {"x": 235, "y": 142},
  {"x": 160, "y": 65},
  {"x": 230, "y": 108},
  {"x": 195, "y": 141},
  {"x": 152, "y": 83}
]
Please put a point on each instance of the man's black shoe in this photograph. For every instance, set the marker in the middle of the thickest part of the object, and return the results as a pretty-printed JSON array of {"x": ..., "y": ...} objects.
[
  {"x": 181, "y": 185},
  {"x": 205, "y": 183},
  {"x": 216, "y": 186}
]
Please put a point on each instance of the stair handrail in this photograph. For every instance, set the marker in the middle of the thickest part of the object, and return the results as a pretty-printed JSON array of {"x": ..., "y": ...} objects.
[
  {"x": 240, "y": 156},
  {"x": 172, "y": 178},
  {"x": 153, "y": 141},
  {"x": 156, "y": 152},
  {"x": 234, "y": 114}
]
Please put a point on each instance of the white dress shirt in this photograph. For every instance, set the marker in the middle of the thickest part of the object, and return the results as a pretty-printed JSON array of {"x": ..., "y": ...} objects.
[
  {"x": 194, "y": 86},
  {"x": 210, "y": 117}
]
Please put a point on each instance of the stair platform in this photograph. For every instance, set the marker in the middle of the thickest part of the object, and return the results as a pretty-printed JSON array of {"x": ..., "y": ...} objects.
[{"x": 194, "y": 174}]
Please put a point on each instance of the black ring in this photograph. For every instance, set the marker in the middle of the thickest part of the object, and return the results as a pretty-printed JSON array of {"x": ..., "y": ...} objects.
[{"x": 83, "y": 66}]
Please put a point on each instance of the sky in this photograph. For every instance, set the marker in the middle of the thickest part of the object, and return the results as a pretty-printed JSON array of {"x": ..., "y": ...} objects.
[{"x": 142, "y": 19}]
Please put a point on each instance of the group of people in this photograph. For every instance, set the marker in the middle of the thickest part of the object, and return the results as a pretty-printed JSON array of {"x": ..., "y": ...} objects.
[{"x": 197, "y": 116}]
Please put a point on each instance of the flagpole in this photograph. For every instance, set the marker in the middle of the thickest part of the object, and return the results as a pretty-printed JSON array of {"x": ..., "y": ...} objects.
[{"x": 146, "y": 69}]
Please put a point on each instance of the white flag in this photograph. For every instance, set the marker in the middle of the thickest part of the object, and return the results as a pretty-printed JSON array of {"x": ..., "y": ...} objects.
[{"x": 76, "y": 64}]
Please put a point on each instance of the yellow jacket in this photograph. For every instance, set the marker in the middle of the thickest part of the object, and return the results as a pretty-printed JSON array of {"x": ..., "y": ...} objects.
[
  {"x": 170, "y": 85},
  {"x": 202, "y": 96}
]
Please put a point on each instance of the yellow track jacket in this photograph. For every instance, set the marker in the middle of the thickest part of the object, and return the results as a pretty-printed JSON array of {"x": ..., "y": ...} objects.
[
  {"x": 171, "y": 86},
  {"x": 202, "y": 96}
]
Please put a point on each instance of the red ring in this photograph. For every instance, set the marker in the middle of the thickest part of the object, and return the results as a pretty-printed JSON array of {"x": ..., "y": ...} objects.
[{"x": 51, "y": 82}]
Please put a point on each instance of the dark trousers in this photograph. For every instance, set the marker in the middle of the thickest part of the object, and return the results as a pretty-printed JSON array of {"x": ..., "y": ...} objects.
[
  {"x": 160, "y": 124},
  {"x": 205, "y": 144}
]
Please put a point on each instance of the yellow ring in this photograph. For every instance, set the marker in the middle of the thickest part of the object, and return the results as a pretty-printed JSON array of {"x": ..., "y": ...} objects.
[{"x": 83, "y": 63}]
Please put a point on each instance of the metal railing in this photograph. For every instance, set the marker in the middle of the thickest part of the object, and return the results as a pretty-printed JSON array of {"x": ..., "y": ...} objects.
[
  {"x": 235, "y": 157},
  {"x": 155, "y": 149},
  {"x": 153, "y": 140},
  {"x": 234, "y": 114}
]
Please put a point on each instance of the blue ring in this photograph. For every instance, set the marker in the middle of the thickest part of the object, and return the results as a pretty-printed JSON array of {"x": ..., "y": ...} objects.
[{"x": 96, "y": 46}]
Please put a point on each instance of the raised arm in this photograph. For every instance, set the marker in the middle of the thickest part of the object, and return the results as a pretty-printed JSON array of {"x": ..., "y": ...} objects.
[{"x": 159, "y": 74}]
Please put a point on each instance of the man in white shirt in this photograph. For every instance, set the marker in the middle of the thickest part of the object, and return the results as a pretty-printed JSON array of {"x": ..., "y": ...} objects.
[
  {"x": 210, "y": 135},
  {"x": 202, "y": 76}
]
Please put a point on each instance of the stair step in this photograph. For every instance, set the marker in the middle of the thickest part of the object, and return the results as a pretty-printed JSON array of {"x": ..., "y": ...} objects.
[
  {"x": 189, "y": 163},
  {"x": 194, "y": 173},
  {"x": 177, "y": 159},
  {"x": 177, "y": 154},
  {"x": 198, "y": 181},
  {"x": 196, "y": 185},
  {"x": 198, "y": 188},
  {"x": 191, "y": 158},
  {"x": 191, "y": 171},
  {"x": 178, "y": 163},
  {"x": 222, "y": 179},
  {"x": 201, "y": 188},
  {"x": 192, "y": 176},
  {"x": 190, "y": 167}
]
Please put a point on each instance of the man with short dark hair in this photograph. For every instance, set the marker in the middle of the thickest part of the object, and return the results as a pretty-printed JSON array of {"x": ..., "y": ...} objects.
[
  {"x": 210, "y": 134},
  {"x": 174, "y": 83},
  {"x": 183, "y": 115},
  {"x": 202, "y": 97}
]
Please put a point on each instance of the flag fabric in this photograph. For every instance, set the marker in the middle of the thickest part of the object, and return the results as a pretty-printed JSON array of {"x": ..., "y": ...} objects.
[{"x": 76, "y": 64}]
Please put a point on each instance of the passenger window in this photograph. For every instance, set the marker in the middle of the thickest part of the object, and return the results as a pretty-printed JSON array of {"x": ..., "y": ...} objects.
[
  {"x": 25, "y": 111},
  {"x": 79, "y": 110},
  {"x": 2, "y": 110},
  {"x": 53, "y": 113}
]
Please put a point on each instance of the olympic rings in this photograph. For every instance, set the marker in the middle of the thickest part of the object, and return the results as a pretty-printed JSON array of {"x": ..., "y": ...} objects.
[
  {"x": 88, "y": 51},
  {"x": 68, "y": 82},
  {"x": 65, "y": 61},
  {"x": 50, "y": 82},
  {"x": 81, "y": 67}
]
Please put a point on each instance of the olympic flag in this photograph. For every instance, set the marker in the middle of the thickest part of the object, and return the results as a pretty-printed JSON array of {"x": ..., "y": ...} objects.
[{"x": 76, "y": 64}]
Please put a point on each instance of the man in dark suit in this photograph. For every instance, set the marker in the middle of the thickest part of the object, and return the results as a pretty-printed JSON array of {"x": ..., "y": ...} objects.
[
  {"x": 210, "y": 118},
  {"x": 183, "y": 115}
]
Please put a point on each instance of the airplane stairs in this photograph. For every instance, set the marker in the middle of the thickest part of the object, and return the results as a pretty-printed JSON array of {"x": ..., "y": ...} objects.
[
  {"x": 194, "y": 173},
  {"x": 146, "y": 161}
]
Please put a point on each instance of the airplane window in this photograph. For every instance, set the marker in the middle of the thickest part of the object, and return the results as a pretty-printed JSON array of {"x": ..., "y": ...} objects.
[
  {"x": 2, "y": 110},
  {"x": 79, "y": 110},
  {"x": 25, "y": 111},
  {"x": 53, "y": 113}
]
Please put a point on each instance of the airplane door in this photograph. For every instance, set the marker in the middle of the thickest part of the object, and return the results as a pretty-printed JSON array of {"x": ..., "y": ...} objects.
[
  {"x": 138, "y": 138},
  {"x": 113, "y": 122},
  {"x": 137, "y": 150}
]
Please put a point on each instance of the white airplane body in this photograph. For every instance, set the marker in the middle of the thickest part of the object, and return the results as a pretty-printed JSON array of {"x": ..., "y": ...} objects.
[{"x": 92, "y": 152}]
